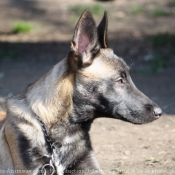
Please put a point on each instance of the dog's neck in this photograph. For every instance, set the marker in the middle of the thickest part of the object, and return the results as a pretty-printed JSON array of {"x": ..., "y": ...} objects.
[{"x": 51, "y": 97}]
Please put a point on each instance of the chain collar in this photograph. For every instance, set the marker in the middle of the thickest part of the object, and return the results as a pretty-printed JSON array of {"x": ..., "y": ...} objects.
[{"x": 50, "y": 148}]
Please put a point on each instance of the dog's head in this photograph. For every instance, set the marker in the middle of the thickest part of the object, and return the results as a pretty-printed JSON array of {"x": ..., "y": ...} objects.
[{"x": 103, "y": 85}]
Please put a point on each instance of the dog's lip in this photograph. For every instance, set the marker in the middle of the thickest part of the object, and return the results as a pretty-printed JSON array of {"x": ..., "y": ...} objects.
[
  {"x": 120, "y": 117},
  {"x": 157, "y": 116}
]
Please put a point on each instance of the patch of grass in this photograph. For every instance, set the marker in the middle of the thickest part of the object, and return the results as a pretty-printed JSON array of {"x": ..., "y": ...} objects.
[
  {"x": 163, "y": 51},
  {"x": 163, "y": 46},
  {"x": 11, "y": 51},
  {"x": 94, "y": 9},
  {"x": 22, "y": 27},
  {"x": 159, "y": 12},
  {"x": 144, "y": 72},
  {"x": 159, "y": 62},
  {"x": 121, "y": 172},
  {"x": 171, "y": 3},
  {"x": 152, "y": 160},
  {"x": 8, "y": 55},
  {"x": 162, "y": 39},
  {"x": 104, "y": 0},
  {"x": 136, "y": 10},
  {"x": 114, "y": 170}
]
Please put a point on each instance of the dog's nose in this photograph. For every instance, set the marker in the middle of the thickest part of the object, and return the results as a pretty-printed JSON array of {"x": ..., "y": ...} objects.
[{"x": 157, "y": 112}]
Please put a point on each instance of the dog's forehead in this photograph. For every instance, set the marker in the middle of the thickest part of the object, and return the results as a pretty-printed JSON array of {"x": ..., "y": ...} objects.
[
  {"x": 112, "y": 58},
  {"x": 106, "y": 64}
]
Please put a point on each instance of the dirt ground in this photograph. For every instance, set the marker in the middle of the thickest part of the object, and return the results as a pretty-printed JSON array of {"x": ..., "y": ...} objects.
[{"x": 120, "y": 147}]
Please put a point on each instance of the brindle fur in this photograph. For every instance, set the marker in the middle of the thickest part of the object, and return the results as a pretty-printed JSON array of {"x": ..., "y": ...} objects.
[{"x": 91, "y": 82}]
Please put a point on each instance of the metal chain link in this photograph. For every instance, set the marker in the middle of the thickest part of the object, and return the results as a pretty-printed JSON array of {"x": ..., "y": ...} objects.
[{"x": 51, "y": 147}]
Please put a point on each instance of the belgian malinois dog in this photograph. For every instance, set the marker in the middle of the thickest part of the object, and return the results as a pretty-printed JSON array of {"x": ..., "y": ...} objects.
[{"x": 47, "y": 127}]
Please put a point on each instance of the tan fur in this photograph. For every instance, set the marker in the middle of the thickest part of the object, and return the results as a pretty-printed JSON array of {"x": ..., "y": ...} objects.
[
  {"x": 3, "y": 112},
  {"x": 11, "y": 139},
  {"x": 73, "y": 61},
  {"x": 53, "y": 106},
  {"x": 65, "y": 95},
  {"x": 2, "y": 115},
  {"x": 100, "y": 67}
]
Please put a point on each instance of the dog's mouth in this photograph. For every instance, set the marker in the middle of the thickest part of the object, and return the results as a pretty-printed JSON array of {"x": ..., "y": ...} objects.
[
  {"x": 135, "y": 121},
  {"x": 119, "y": 117}
]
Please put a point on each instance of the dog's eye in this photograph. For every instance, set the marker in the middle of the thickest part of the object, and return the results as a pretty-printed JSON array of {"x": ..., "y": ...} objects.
[{"x": 120, "y": 81}]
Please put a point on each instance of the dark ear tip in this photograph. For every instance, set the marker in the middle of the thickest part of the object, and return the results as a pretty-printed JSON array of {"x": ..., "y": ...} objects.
[
  {"x": 105, "y": 14},
  {"x": 102, "y": 30}
]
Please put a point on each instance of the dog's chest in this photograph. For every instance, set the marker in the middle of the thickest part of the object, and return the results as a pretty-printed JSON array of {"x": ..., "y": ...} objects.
[
  {"x": 71, "y": 142},
  {"x": 66, "y": 133}
]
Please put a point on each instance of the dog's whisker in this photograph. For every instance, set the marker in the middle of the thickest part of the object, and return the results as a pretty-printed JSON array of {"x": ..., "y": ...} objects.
[{"x": 132, "y": 65}]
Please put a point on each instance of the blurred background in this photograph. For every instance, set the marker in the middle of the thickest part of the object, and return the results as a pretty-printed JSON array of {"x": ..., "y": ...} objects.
[{"x": 36, "y": 34}]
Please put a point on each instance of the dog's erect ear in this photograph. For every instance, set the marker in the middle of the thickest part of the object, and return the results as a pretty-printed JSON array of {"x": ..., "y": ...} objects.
[
  {"x": 84, "y": 44},
  {"x": 102, "y": 31}
]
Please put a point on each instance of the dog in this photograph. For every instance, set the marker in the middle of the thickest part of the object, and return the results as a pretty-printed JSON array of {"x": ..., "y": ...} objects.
[{"x": 46, "y": 129}]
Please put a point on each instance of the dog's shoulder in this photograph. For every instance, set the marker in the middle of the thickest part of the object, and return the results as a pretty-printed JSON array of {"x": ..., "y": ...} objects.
[{"x": 18, "y": 108}]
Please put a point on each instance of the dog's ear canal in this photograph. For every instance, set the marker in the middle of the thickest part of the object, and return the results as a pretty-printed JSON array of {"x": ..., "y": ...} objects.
[
  {"x": 84, "y": 45},
  {"x": 102, "y": 31}
]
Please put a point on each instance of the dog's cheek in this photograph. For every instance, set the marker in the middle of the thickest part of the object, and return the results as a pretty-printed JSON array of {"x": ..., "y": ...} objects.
[{"x": 108, "y": 99}]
